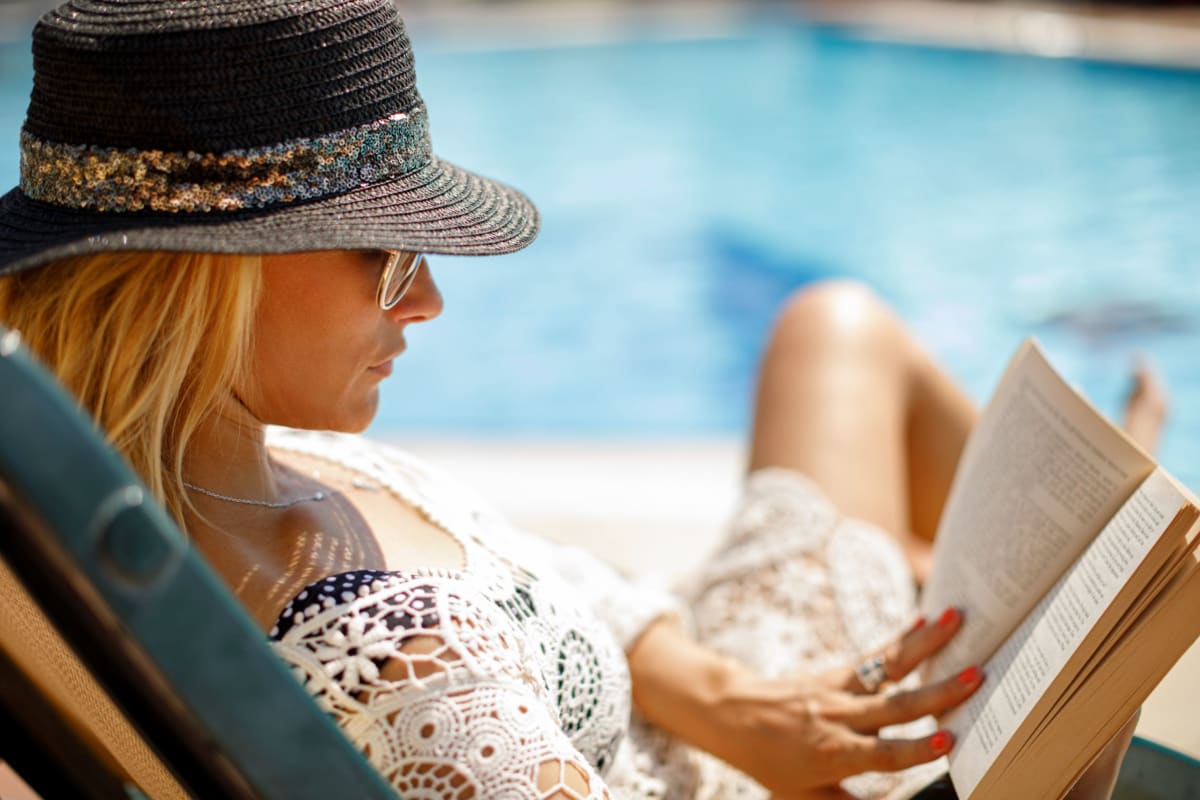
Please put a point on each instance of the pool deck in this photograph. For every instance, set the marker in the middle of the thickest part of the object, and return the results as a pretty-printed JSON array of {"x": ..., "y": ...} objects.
[
  {"x": 659, "y": 507},
  {"x": 1125, "y": 34}
]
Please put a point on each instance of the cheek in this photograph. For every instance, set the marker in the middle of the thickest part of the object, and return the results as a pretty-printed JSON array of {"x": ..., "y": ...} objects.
[
  {"x": 317, "y": 329},
  {"x": 307, "y": 371}
]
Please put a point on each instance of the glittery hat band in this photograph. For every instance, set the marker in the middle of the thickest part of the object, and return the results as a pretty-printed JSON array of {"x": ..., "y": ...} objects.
[{"x": 115, "y": 179}]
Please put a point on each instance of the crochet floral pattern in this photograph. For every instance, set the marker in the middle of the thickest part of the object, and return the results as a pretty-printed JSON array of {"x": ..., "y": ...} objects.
[
  {"x": 443, "y": 689},
  {"x": 471, "y": 683},
  {"x": 474, "y": 682}
]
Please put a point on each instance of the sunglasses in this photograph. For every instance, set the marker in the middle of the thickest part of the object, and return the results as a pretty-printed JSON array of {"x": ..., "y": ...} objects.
[{"x": 398, "y": 274}]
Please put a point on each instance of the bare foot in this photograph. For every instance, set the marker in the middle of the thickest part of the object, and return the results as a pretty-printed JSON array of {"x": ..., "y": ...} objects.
[{"x": 1146, "y": 407}]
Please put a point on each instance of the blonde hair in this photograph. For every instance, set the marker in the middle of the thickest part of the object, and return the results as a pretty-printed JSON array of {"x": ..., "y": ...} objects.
[{"x": 148, "y": 342}]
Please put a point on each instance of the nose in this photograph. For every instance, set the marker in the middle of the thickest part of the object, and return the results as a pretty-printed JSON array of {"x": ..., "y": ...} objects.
[{"x": 422, "y": 302}]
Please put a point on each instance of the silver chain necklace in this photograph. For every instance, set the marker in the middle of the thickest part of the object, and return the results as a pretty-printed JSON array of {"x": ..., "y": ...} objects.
[{"x": 246, "y": 501}]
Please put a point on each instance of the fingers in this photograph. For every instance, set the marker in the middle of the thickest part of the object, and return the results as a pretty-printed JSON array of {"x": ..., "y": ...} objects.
[
  {"x": 917, "y": 644},
  {"x": 872, "y": 712},
  {"x": 920, "y": 642},
  {"x": 870, "y": 754}
]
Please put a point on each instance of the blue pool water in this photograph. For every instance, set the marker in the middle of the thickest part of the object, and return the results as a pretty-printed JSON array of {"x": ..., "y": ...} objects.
[{"x": 688, "y": 186}]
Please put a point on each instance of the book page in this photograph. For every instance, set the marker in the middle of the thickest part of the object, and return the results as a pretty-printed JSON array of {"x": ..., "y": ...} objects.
[
  {"x": 1041, "y": 473},
  {"x": 1020, "y": 672},
  {"x": 1063, "y": 747},
  {"x": 1166, "y": 573}
]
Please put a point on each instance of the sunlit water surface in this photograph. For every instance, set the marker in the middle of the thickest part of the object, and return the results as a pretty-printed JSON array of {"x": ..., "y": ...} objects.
[{"x": 687, "y": 187}]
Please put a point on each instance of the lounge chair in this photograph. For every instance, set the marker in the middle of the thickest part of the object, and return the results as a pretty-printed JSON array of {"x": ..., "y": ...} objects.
[{"x": 126, "y": 666}]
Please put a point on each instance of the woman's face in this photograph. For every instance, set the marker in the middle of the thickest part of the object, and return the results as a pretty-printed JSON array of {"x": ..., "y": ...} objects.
[{"x": 322, "y": 344}]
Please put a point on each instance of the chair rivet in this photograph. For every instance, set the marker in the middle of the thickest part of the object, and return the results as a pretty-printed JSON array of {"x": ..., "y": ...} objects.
[{"x": 9, "y": 343}]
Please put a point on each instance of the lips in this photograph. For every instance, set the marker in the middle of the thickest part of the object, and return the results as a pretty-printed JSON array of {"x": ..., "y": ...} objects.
[{"x": 384, "y": 369}]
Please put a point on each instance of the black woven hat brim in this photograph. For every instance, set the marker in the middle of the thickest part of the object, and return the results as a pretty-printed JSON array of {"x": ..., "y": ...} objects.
[
  {"x": 245, "y": 126},
  {"x": 440, "y": 208}
]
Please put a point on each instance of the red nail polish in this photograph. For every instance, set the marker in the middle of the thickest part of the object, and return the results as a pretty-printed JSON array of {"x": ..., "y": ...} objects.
[
  {"x": 948, "y": 617},
  {"x": 916, "y": 626},
  {"x": 941, "y": 741},
  {"x": 970, "y": 675}
]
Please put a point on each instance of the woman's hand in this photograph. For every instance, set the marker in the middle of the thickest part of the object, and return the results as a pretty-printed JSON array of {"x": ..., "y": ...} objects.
[{"x": 799, "y": 736}]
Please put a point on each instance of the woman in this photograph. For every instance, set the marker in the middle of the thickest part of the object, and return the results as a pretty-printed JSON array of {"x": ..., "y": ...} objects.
[{"x": 219, "y": 227}]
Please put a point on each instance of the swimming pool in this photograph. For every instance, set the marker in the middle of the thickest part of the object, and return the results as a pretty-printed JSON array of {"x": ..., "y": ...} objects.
[{"x": 687, "y": 185}]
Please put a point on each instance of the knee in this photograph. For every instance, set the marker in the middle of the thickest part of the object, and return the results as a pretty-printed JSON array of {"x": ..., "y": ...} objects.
[{"x": 842, "y": 311}]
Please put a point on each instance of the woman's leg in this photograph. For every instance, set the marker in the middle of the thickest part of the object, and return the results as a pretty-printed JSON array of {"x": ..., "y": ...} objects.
[{"x": 848, "y": 397}]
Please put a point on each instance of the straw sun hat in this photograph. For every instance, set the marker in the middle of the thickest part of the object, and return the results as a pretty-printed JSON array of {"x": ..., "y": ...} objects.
[{"x": 250, "y": 126}]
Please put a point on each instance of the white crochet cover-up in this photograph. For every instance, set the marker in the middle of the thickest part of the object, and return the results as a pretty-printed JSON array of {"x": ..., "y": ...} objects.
[{"x": 513, "y": 665}]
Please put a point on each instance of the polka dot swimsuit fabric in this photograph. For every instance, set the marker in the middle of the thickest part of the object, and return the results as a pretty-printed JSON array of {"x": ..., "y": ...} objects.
[
  {"x": 462, "y": 713},
  {"x": 347, "y": 587}
]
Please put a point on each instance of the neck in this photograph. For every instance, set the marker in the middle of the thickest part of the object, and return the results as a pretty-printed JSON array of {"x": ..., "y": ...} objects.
[{"x": 228, "y": 454}]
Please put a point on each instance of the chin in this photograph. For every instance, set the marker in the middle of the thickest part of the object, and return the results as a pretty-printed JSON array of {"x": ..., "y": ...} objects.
[
  {"x": 349, "y": 423},
  {"x": 345, "y": 418},
  {"x": 336, "y": 426},
  {"x": 360, "y": 419},
  {"x": 357, "y": 427}
]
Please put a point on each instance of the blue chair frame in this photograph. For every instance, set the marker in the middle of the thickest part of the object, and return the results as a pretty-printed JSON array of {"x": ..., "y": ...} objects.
[{"x": 141, "y": 608}]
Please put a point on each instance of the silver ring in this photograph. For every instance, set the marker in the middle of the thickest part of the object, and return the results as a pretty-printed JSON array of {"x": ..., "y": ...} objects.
[{"x": 871, "y": 673}]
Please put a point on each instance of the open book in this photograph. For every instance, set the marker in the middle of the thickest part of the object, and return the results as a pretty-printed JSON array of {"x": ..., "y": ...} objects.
[{"x": 1073, "y": 556}]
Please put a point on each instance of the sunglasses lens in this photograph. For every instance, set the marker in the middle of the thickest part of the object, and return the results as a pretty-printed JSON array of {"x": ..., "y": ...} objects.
[{"x": 400, "y": 277}]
